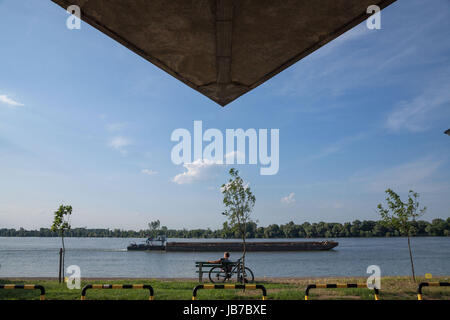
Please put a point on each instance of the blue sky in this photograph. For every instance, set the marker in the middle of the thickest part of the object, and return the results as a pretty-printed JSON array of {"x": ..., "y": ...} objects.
[{"x": 86, "y": 122}]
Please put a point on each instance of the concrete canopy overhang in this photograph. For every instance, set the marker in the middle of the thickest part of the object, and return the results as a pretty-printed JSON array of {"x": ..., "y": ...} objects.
[{"x": 223, "y": 48}]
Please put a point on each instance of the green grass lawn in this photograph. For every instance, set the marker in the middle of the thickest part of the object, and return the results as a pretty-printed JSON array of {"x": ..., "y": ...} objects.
[{"x": 393, "y": 288}]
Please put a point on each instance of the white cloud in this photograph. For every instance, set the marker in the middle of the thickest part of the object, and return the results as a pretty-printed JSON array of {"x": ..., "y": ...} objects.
[
  {"x": 6, "y": 100},
  {"x": 417, "y": 114},
  {"x": 199, "y": 170},
  {"x": 234, "y": 157},
  {"x": 148, "y": 172},
  {"x": 288, "y": 199},
  {"x": 115, "y": 126},
  {"x": 119, "y": 143}
]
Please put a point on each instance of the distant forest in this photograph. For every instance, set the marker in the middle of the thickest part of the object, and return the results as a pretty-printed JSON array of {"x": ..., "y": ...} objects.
[{"x": 437, "y": 227}]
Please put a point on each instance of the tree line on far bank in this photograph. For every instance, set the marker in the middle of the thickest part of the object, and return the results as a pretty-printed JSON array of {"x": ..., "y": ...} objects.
[{"x": 365, "y": 228}]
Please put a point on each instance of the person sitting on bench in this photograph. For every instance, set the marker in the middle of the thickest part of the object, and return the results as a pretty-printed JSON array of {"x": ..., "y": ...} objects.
[{"x": 224, "y": 261}]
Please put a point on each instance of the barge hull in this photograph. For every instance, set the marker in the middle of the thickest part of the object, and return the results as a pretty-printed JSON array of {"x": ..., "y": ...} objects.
[
  {"x": 145, "y": 247},
  {"x": 250, "y": 246},
  {"x": 238, "y": 246}
]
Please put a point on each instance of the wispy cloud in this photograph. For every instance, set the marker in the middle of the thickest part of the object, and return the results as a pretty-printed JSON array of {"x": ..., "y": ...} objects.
[
  {"x": 419, "y": 175},
  {"x": 416, "y": 115},
  {"x": 288, "y": 200},
  {"x": 119, "y": 143},
  {"x": 9, "y": 101},
  {"x": 358, "y": 32},
  {"x": 354, "y": 60},
  {"x": 148, "y": 172},
  {"x": 337, "y": 146},
  {"x": 199, "y": 170},
  {"x": 117, "y": 126}
]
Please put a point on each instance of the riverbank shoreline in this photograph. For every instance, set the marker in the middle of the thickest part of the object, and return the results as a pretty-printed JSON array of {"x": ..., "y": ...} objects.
[{"x": 257, "y": 279}]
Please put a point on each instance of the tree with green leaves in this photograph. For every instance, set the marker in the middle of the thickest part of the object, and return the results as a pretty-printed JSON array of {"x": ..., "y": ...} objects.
[
  {"x": 61, "y": 224},
  {"x": 153, "y": 227},
  {"x": 402, "y": 216},
  {"x": 239, "y": 202}
]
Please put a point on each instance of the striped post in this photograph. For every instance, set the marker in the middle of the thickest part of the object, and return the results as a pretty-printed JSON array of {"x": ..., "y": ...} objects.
[
  {"x": 117, "y": 286},
  {"x": 230, "y": 286},
  {"x": 430, "y": 284},
  {"x": 338, "y": 285},
  {"x": 25, "y": 287}
]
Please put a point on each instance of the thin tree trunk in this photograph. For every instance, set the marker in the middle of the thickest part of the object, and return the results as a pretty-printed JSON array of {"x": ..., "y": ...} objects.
[
  {"x": 243, "y": 255},
  {"x": 63, "y": 255},
  {"x": 245, "y": 250},
  {"x": 411, "y": 258},
  {"x": 59, "y": 265}
]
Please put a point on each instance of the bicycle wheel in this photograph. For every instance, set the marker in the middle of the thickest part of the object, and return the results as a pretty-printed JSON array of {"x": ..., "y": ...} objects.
[
  {"x": 247, "y": 276},
  {"x": 217, "y": 274}
]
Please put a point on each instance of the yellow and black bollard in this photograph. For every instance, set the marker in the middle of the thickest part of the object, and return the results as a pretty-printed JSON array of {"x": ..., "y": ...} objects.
[
  {"x": 339, "y": 285},
  {"x": 430, "y": 284},
  {"x": 25, "y": 287},
  {"x": 117, "y": 286},
  {"x": 230, "y": 286}
]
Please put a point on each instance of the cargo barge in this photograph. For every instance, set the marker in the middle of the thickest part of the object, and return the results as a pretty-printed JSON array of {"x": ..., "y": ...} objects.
[{"x": 252, "y": 246}]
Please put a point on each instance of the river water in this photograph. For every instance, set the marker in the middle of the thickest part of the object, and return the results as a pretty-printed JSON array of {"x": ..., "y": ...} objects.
[{"x": 108, "y": 257}]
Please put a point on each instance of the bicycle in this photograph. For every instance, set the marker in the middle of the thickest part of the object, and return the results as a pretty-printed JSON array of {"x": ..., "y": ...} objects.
[{"x": 228, "y": 269}]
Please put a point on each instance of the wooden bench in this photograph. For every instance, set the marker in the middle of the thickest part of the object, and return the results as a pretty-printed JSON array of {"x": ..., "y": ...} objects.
[{"x": 201, "y": 265}]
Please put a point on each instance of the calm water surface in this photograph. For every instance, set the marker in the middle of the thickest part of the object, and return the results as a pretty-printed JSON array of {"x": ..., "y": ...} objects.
[{"x": 107, "y": 257}]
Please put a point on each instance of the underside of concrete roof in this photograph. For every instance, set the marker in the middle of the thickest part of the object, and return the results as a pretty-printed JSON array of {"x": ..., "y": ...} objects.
[{"x": 223, "y": 48}]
